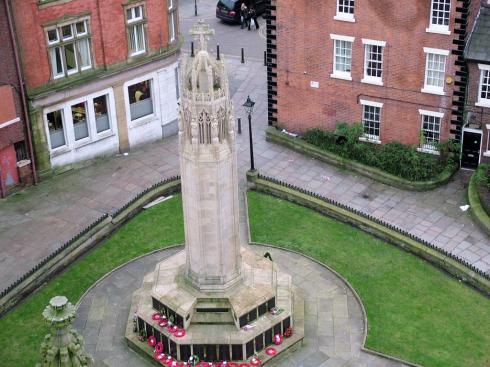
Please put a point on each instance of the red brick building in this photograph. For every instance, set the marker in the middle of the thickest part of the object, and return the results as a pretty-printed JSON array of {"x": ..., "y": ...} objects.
[
  {"x": 15, "y": 155},
  {"x": 100, "y": 75},
  {"x": 397, "y": 67},
  {"x": 476, "y": 130}
]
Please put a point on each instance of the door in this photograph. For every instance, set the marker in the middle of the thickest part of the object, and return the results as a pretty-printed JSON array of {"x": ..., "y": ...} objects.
[
  {"x": 8, "y": 166},
  {"x": 470, "y": 155}
]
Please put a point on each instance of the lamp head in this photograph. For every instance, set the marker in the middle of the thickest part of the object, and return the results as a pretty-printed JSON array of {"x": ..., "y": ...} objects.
[{"x": 249, "y": 105}]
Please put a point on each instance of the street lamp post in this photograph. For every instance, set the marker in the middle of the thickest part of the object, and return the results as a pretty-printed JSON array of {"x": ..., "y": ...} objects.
[
  {"x": 195, "y": 8},
  {"x": 249, "y": 107}
]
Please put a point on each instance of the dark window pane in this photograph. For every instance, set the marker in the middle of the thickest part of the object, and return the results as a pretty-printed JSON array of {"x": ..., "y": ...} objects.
[
  {"x": 277, "y": 329},
  {"x": 252, "y": 315},
  {"x": 210, "y": 354},
  {"x": 236, "y": 352},
  {"x": 173, "y": 349},
  {"x": 259, "y": 343},
  {"x": 249, "y": 347},
  {"x": 198, "y": 350},
  {"x": 262, "y": 309},
  {"x": 185, "y": 352},
  {"x": 224, "y": 352},
  {"x": 268, "y": 337}
]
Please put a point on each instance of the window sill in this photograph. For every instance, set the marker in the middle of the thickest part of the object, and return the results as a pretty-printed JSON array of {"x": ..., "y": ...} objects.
[
  {"x": 369, "y": 140},
  {"x": 429, "y": 90},
  {"x": 59, "y": 151},
  {"x": 429, "y": 151},
  {"x": 341, "y": 76},
  {"x": 47, "y": 3},
  {"x": 438, "y": 31},
  {"x": 344, "y": 18},
  {"x": 483, "y": 104},
  {"x": 374, "y": 81},
  {"x": 142, "y": 121},
  {"x": 137, "y": 53},
  {"x": 487, "y": 153},
  {"x": 101, "y": 136}
]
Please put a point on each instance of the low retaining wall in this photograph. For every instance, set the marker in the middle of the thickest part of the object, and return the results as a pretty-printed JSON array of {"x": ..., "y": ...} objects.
[
  {"x": 385, "y": 231},
  {"x": 86, "y": 240},
  {"x": 478, "y": 214},
  {"x": 301, "y": 146}
]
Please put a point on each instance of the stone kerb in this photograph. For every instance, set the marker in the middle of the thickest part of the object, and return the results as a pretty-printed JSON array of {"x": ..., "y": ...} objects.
[{"x": 476, "y": 209}]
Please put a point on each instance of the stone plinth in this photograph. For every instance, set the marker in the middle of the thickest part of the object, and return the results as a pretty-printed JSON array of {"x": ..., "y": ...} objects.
[{"x": 233, "y": 324}]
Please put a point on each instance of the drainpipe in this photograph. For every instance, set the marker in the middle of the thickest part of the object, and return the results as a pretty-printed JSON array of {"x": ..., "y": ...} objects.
[
  {"x": 3, "y": 190},
  {"x": 22, "y": 93}
]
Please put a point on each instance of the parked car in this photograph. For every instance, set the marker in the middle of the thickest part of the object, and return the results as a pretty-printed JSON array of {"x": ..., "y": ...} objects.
[{"x": 229, "y": 10}]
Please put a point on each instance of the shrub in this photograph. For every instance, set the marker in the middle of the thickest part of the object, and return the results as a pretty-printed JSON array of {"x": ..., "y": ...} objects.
[
  {"x": 482, "y": 176},
  {"x": 320, "y": 138},
  {"x": 394, "y": 157}
]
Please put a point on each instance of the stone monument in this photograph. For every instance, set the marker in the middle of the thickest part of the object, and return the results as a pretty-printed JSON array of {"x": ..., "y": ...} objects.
[
  {"x": 215, "y": 301},
  {"x": 63, "y": 347},
  {"x": 209, "y": 172}
]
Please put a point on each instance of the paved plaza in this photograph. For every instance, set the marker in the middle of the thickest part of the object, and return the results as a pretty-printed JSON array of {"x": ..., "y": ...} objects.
[
  {"x": 38, "y": 220},
  {"x": 334, "y": 320}
]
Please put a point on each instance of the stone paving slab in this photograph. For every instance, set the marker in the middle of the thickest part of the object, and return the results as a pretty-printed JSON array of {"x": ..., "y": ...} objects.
[
  {"x": 39, "y": 220},
  {"x": 333, "y": 317}
]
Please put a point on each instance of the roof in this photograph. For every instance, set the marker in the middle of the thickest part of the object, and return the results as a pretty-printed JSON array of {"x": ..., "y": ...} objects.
[{"x": 478, "y": 46}]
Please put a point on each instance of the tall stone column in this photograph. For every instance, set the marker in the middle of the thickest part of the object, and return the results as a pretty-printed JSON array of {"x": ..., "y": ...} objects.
[{"x": 209, "y": 171}]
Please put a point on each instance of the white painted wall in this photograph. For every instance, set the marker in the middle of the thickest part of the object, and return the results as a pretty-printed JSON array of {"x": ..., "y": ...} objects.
[
  {"x": 165, "y": 108},
  {"x": 96, "y": 144},
  {"x": 140, "y": 131}
]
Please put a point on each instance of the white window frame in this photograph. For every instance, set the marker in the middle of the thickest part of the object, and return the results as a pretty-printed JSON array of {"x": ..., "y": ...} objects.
[
  {"x": 482, "y": 102},
  {"x": 342, "y": 16},
  {"x": 68, "y": 127},
  {"x": 438, "y": 28},
  {"x": 430, "y": 88},
  {"x": 155, "y": 90},
  {"x": 134, "y": 18},
  {"x": 367, "y": 137},
  {"x": 367, "y": 78},
  {"x": 172, "y": 26},
  {"x": 131, "y": 25},
  {"x": 423, "y": 113},
  {"x": 61, "y": 148},
  {"x": 60, "y": 43},
  {"x": 341, "y": 74}
]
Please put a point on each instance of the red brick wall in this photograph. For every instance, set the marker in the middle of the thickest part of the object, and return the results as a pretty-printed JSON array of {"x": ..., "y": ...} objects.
[
  {"x": 9, "y": 95},
  {"x": 109, "y": 42},
  {"x": 482, "y": 114},
  {"x": 305, "y": 53}
]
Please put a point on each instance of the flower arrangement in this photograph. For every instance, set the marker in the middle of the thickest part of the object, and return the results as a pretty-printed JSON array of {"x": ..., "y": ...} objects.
[
  {"x": 288, "y": 332},
  {"x": 278, "y": 339},
  {"x": 152, "y": 341}
]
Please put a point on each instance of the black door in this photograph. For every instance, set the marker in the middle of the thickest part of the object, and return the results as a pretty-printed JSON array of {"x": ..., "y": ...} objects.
[{"x": 471, "y": 150}]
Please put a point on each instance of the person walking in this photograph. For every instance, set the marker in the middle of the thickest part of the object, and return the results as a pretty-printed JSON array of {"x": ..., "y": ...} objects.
[
  {"x": 252, "y": 15},
  {"x": 244, "y": 15}
]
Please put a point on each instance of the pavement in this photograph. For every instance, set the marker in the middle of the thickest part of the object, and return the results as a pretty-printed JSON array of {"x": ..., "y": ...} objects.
[
  {"x": 38, "y": 220},
  {"x": 334, "y": 321}
]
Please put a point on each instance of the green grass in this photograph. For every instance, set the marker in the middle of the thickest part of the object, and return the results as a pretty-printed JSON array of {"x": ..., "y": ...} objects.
[
  {"x": 23, "y": 329},
  {"x": 415, "y": 311}
]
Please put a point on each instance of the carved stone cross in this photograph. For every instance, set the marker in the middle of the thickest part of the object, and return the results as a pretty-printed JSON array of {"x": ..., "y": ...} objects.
[{"x": 200, "y": 30}]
